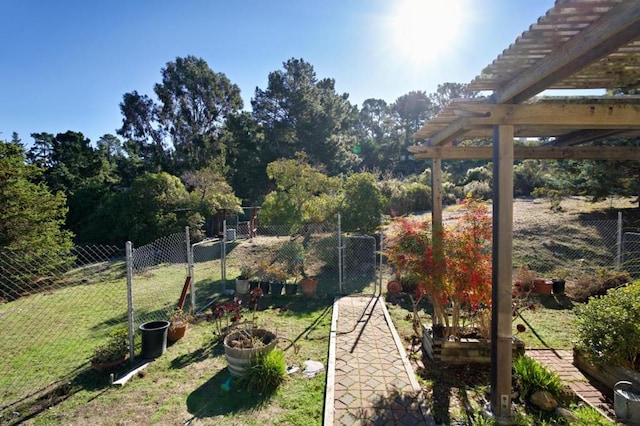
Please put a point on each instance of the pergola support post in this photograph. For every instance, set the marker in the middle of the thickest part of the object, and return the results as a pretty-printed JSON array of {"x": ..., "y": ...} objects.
[
  {"x": 501, "y": 331},
  {"x": 436, "y": 192}
]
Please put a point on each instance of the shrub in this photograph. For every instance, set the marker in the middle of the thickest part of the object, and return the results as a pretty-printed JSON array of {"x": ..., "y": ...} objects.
[
  {"x": 532, "y": 377},
  {"x": 609, "y": 327},
  {"x": 267, "y": 372},
  {"x": 598, "y": 284}
]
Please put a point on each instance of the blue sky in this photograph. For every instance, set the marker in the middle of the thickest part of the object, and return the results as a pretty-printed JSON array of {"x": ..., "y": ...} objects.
[{"x": 66, "y": 64}]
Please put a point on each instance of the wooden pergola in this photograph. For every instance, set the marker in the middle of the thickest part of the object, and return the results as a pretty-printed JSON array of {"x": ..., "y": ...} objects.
[{"x": 578, "y": 44}]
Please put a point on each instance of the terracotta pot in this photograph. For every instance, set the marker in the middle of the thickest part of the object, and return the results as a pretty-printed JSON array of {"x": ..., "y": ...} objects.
[
  {"x": 176, "y": 333},
  {"x": 309, "y": 286},
  {"x": 99, "y": 366},
  {"x": 542, "y": 286},
  {"x": 394, "y": 287}
]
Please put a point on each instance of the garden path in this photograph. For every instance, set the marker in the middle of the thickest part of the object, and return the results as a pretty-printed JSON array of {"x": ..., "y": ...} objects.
[{"x": 369, "y": 377}]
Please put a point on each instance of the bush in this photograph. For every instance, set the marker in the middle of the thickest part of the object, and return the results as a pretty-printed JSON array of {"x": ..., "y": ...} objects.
[
  {"x": 609, "y": 327},
  {"x": 592, "y": 285},
  {"x": 267, "y": 372},
  {"x": 532, "y": 377}
]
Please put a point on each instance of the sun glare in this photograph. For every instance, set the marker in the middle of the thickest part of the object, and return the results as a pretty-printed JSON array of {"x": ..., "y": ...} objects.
[{"x": 423, "y": 30}]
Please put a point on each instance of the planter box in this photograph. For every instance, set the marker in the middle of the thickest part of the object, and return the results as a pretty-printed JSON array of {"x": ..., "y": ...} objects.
[
  {"x": 464, "y": 351},
  {"x": 608, "y": 376}
]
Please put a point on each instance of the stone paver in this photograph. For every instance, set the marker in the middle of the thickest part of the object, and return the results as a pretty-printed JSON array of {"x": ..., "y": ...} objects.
[
  {"x": 370, "y": 380},
  {"x": 561, "y": 362}
]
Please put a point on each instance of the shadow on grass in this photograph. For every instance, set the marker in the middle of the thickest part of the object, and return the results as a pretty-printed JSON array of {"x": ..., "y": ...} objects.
[
  {"x": 557, "y": 302},
  {"x": 222, "y": 396},
  {"x": 212, "y": 348}
]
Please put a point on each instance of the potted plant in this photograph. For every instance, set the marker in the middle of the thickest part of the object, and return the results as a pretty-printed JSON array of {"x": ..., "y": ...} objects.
[
  {"x": 278, "y": 277},
  {"x": 179, "y": 323},
  {"x": 245, "y": 344},
  {"x": 242, "y": 282},
  {"x": 524, "y": 279},
  {"x": 112, "y": 353},
  {"x": 295, "y": 272}
]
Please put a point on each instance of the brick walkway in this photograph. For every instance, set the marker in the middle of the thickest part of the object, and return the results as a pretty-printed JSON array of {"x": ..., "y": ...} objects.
[
  {"x": 561, "y": 362},
  {"x": 370, "y": 380}
]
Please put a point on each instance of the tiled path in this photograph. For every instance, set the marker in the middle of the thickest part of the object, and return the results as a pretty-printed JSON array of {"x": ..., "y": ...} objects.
[
  {"x": 561, "y": 362},
  {"x": 370, "y": 380}
]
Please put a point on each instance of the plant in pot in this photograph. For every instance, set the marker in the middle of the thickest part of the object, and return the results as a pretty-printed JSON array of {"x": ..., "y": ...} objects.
[
  {"x": 451, "y": 265},
  {"x": 112, "y": 353},
  {"x": 242, "y": 282},
  {"x": 278, "y": 277},
  {"x": 265, "y": 276},
  {"x": 295, "y": 272},
  {"x": 244, "y": 345},
  {"x": 179, "y": 323}
]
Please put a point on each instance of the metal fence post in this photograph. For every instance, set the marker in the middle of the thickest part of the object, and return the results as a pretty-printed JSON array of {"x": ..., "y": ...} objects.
[
  {"x": 619, "y": 242},
  {"x": 340, "y": 251},
  {"x": 129, "y": 255},
  {"x": 192, "y": 278},
  {"x": 381, "y": 248},
  {"x": 223, "y": 254}
]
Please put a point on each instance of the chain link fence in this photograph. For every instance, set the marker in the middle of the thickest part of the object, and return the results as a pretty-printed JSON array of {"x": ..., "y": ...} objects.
[{"x": 54, "y": 309}]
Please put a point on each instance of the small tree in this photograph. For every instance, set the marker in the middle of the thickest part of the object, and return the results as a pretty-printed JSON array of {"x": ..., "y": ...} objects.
[
  {"x": 303, "y": 194},
  {"x": 362, "y": 204},
  {"x": 452, "y": 265}
]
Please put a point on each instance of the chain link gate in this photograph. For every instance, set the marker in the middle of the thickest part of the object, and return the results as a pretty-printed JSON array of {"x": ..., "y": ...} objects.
[{"x": 359, "y": 264}]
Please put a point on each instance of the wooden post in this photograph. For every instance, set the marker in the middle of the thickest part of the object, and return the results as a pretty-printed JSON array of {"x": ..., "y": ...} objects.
[
  {"x": 501, "y": 358},
  {"x": 436, "y": 192}
]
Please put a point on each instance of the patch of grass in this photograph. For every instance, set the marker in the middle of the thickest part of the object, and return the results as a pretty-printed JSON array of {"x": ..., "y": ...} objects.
[
  {"x": 186, "y": 383},
  {"x": 531, "y": 377}
]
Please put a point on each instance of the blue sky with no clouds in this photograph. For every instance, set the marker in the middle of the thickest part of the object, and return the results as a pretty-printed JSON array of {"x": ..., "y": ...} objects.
[{"x": 65, "y": 64}]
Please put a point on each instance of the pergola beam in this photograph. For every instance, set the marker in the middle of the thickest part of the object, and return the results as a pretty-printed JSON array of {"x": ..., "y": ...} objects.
[
  {"x": 478, "y": 119},
  {"x": 617, "y": 27},
  {"x": 528, "y": 152}
]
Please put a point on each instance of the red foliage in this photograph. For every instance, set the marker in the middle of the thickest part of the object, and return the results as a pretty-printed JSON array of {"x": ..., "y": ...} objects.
[{"x": 452, "y": 265}]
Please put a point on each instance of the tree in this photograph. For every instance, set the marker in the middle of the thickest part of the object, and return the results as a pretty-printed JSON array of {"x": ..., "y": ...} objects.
[
  {"x": 193, "y": 105},
  {"x": 248, "y": 157},
  {"x": 411, "y": 111},
  {"x": 363, "y": 203},
  {"x": 298, "y": 112},
  {"x": 68, "y": 160},
  {"x": 210, "y": 192},
  {"x": 31, "y": 220},
  {"x": 303, "y": 194},
  {"x": 378, "y": 136}
]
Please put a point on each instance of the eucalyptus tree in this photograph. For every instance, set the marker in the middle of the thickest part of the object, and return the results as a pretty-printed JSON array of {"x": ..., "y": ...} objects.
[
  {"x": 300, "y": 112},
  {"x": 183, "y": 129}
]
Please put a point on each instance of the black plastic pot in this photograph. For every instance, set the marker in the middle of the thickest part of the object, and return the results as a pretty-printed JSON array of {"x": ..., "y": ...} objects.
[
  {"x": 558, "y": 286},
  {"x": 154, "y": 338},
  {"x": 290, "y": 289},
  {"x": 276, "y": 288}
]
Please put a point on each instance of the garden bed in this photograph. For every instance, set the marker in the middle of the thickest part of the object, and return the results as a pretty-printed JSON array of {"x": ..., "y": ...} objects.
[
  {"x": 607, "y": 376},
  {"x": 463, "y": 351}
]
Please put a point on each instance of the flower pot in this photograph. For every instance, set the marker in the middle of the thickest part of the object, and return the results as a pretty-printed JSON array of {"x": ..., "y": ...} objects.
[
  {"x": 252, "y": 285},
  {"x": 264, "y": 285},
  {"x": 239, "y": 359},
  {"x": 177, "y": 332},
  {"x": 290, "y": 289},
  {"x": 154, "y": 338},
  {"x": 558, "y": 286},
  {"x": 242, "y": 286},
  {"x": 276, "y": 288},
  {"x": 394, "y": 287},
  {"x": 542, "y": 286},
  {"x": 99, "y": 366},
  {"x": 309, "y": 286}
]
